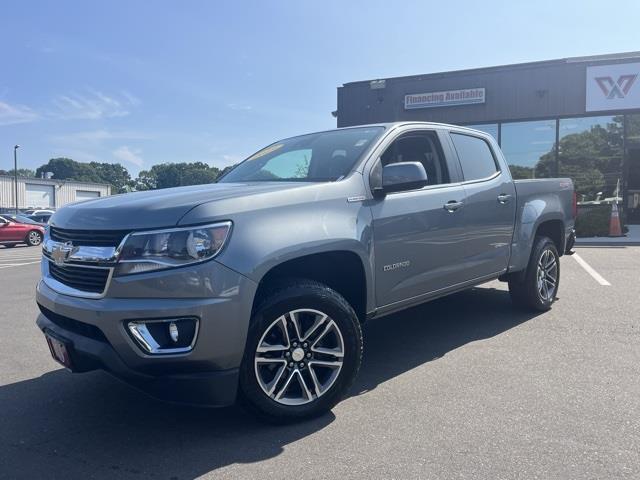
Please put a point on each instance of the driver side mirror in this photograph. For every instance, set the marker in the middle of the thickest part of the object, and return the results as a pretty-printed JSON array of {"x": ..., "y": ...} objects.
[{"x": 402, "y": 176}]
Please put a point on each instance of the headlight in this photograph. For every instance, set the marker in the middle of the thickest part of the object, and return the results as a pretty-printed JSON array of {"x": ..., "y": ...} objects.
[{"x": 175, "y": 247}]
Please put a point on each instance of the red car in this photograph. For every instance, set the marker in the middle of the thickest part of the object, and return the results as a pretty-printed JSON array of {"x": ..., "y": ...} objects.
[{"x": 17, "y": 229}]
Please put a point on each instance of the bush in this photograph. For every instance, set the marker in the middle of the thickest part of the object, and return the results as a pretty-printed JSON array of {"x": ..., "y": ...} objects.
[{"x": 593, "y": 221}]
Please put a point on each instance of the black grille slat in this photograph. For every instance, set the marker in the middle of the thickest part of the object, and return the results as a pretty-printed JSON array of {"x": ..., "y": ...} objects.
[
  {"x": 81, "y": 328},
  {"x": 91, "y": 238},
  {"x": 78, "y": 276},
  {"x": 85, "y": 279}
]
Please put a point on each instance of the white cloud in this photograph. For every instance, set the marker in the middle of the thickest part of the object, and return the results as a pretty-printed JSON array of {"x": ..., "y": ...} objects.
[
  {"x": 12, "y": 114},
  {"x": 132, "y": 99},
  {"x": 129, "y": 155},
  {"x": 94, "y": 105},
  {"x": 75, "y": 154},
  {"x": 94, "y": 137},
  {"x": 240, "y": 107}
]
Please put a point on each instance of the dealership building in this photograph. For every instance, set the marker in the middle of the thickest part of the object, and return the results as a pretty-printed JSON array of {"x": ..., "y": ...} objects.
[
  {"x": 573, "y": 117},
  {"x": 46, "y": 193}
]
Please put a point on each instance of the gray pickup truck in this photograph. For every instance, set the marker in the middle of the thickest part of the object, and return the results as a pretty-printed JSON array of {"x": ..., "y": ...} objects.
[{"x": 256, "y": 287}]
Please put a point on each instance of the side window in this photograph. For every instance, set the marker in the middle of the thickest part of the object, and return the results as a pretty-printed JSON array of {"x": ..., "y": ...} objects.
[
  {"x": 422, "y": 147},
  {"x": 475, "y": 157}
]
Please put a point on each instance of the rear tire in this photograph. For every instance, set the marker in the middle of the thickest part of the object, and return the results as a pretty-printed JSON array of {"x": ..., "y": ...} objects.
[
  {"x": 304, "y": 349},
  {"x": 34, "y": 238},
  {"x": 9, "y": 245},
  {"x": 538, "y": 288}
]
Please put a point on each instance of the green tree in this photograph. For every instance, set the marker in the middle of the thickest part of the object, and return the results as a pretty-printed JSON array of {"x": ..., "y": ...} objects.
[
  {"x": 167, "y": 175},
  {"x": 519, "y": 172},
  {"x": 67, "y": 169},
  {"x": 592, "y": 158},
  {"x": 115, "y": 175},
  {"x": 22, "y": 172}
]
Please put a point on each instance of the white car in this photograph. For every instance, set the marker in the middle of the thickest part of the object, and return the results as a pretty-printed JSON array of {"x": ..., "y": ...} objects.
[{"x": 38, "y": 212}]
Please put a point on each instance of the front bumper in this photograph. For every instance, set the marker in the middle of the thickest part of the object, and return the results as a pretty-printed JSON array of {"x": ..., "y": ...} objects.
[{"x": 95, "y": 330}]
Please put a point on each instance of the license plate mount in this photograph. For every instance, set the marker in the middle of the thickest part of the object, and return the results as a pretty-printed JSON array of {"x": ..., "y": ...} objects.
[{"x": 60, "y": 350}]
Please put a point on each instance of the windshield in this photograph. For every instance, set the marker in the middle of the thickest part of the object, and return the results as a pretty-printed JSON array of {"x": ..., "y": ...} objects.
[
  {"x": 318, "y": 157},
  {"x": 22, "y": 219}
]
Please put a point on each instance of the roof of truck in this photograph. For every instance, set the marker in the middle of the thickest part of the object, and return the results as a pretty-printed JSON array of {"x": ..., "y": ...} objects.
[{"x": 401, "y": 124}]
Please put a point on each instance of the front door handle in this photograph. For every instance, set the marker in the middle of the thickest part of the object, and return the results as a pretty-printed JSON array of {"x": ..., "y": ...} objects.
[
  {"x": 504, "y": 198},
  {"x": 453, "y": 206}
]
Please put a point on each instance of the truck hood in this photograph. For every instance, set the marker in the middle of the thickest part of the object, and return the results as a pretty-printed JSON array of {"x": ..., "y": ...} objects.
[{"x": 155, "y": 208}]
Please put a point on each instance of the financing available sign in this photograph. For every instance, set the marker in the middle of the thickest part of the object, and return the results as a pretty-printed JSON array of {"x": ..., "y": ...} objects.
[
  {"x": 446, "y": 98},
  {"x": 613, "y": 87}
]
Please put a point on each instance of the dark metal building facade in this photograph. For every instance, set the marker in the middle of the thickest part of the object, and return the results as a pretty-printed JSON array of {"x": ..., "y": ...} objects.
[{"x": 576, "y": 117}]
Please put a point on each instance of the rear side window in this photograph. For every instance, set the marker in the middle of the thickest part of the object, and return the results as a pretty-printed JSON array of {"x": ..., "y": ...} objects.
[{"x": 475, "y": 157}]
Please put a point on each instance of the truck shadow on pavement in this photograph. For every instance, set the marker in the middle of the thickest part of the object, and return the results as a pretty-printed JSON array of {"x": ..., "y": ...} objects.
[{"x": 90, "y": 425}]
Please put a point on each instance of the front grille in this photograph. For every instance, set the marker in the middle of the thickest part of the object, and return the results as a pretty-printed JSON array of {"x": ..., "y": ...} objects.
[
  {"x": 81, "y": 328},
  {"x": 86, "y": 279},
  {"x": 90, "y": 238}
]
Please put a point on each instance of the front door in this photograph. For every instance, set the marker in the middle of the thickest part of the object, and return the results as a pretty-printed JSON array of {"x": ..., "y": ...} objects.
[{"x": 417, "y": 241}]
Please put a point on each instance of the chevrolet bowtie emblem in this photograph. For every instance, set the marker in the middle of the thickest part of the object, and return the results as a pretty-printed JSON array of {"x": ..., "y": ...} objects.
[{"x": 61, "y": 251}]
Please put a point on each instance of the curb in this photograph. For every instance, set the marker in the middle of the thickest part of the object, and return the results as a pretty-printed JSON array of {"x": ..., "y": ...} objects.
[{"x": 604, "y": 242}]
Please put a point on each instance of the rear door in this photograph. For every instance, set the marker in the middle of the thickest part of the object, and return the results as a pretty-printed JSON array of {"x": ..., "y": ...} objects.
[
  {"x": 416, "y": 238},
  {"x": 490, "y": 207}
]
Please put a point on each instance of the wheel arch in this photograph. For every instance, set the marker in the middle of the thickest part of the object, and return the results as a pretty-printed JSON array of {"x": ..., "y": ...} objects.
[
  {"x": 342, "y": 270},
  {"x": 550, "y": 225},
  {"x": 554, "y": 229}
]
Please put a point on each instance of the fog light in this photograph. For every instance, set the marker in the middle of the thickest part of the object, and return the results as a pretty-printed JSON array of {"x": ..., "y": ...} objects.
[
  {"x": 170, "y": 336},
  {"x": 173, "y": 332}
]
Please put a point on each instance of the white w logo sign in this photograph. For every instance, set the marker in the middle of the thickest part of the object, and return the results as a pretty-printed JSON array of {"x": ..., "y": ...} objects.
[{"x": 617, "y": 89}]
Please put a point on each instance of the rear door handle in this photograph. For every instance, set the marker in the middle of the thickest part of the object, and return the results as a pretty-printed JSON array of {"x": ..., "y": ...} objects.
[
  {"x": 504, "y": 198},
  {"x": 453, "y": 205}
]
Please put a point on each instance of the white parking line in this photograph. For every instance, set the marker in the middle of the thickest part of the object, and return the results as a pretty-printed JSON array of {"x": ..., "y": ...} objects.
[
  {"x": 11, "y": 257},
  {"x": 18, "y": 264},
  {"x": 589, "y": 269}
]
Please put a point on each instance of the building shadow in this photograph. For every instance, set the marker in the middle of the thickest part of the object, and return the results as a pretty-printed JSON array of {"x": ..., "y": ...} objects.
[{"x": 92, "y": 426}]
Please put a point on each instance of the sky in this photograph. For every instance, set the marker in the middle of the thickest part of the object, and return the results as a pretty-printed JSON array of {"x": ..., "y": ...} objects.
[{"x": 140, "y": 82}]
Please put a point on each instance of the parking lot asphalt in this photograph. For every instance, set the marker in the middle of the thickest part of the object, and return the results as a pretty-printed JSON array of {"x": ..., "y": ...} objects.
[{"x": 465, "y": 387}]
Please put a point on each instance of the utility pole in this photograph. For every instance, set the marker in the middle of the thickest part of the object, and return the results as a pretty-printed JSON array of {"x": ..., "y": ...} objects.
[{"x": 15, "y": 176}]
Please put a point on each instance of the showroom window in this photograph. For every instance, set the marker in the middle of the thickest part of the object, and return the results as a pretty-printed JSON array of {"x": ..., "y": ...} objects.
[
  {"x": 590, "y": 152},
  {"x": 632, "y": 202},
  {"x": 490, "y": 128},
  {"x": 529, "y": 148}
]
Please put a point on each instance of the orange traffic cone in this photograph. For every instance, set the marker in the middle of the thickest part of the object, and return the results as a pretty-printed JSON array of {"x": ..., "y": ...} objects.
[{"x": 615, "y": 230}]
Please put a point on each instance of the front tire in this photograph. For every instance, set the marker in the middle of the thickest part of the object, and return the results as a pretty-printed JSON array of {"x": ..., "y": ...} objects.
[
  {"x": 34, "y": 238},
  {"x": 304, "y": 349},
  {"x": 538, "y": 289}
]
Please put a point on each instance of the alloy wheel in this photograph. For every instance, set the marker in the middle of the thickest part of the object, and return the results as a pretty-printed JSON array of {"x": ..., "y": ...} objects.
[
  {"x": 34, "y": 238},
  {"x": 547, "y": 276},
  {"x": 299, "y": 357}
]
